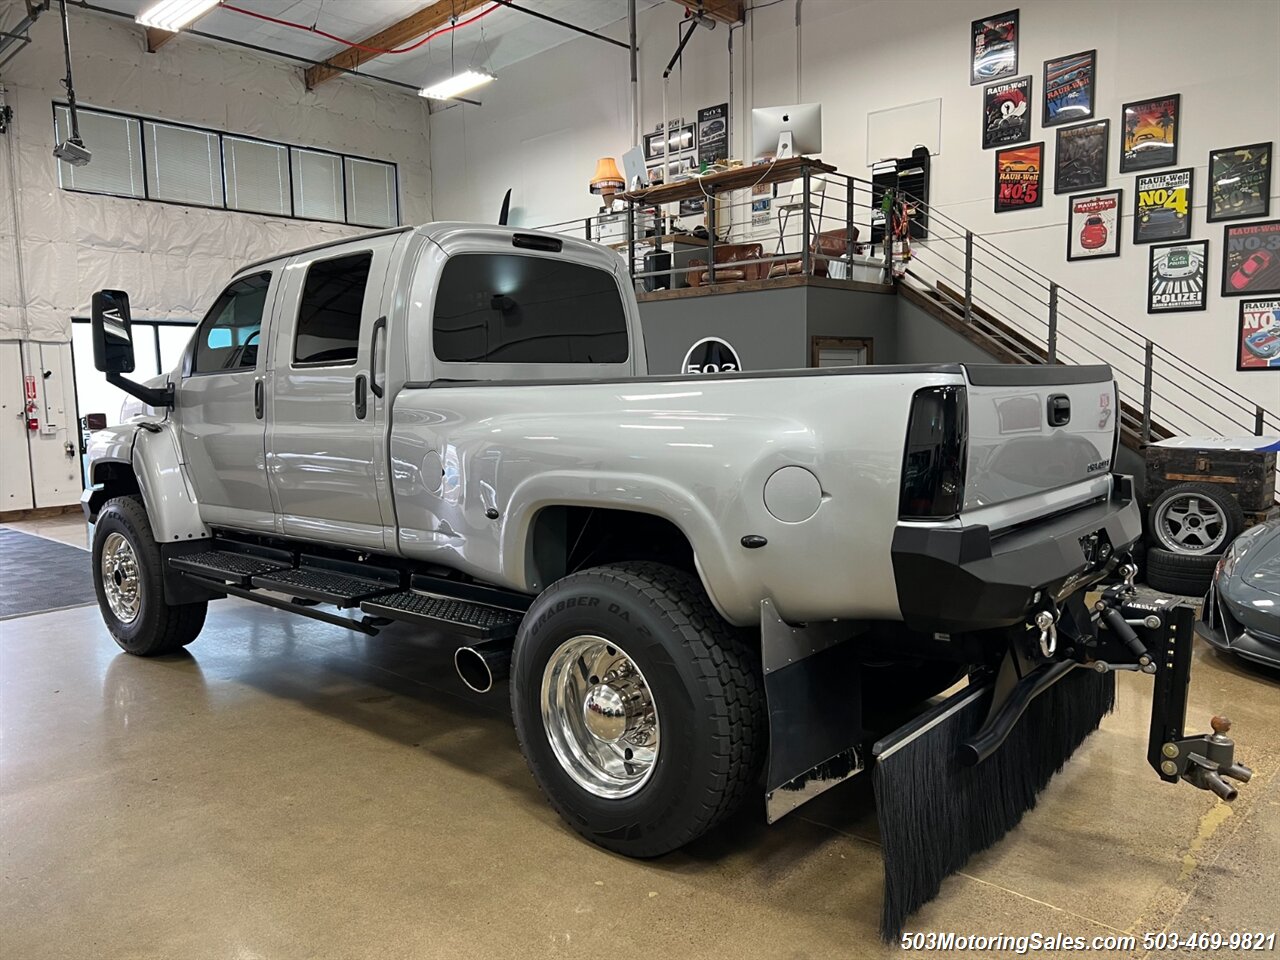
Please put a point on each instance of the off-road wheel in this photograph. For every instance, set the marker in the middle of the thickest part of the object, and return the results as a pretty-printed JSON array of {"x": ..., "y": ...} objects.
[
  {"x": 639, "y": 710},
  {"x": 127, "y": 575}
]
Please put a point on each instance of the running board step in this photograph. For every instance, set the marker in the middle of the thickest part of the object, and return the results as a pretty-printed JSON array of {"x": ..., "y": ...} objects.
[
  {"x": 476, "y": 620},
  {"x": 228, "y": 566},
  {"x": 329, "y": 583}
]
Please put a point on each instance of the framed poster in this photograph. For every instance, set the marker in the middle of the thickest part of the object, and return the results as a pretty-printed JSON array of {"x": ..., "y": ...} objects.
[
  {"x": 1251, "y": 259},
  {"x": 1093, "y": 225},
  {"x": 713, "y": 134},
  {"x": 1258, "y": 337},
  {"x": 1177, "y": 277},
  {"x": 1150, "y": 133},
  {"x": 1006, "y": 113},
  {"x": 1081, "y": 157},
  {"x": 993, "y": 48},
  {"x": 1019, "y": 173},
  {"x": 1239, "y": 182},
  {"x": 1162, "y": 206},
  {"x": 1068, "y": 88},
  {"x": 680, "y": 140}
]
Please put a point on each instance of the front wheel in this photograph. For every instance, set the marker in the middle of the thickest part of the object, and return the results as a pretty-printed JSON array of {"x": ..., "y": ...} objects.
[
  {"x": 638, "y": 709},
  {"x": 128, "y": 578}
]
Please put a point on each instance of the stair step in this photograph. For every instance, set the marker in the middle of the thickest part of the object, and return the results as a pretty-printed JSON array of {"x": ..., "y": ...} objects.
[
  {"x": 327, "y": 586},
  {"x": 477, "y": 620},
  {"x": 227, "y": 565}
]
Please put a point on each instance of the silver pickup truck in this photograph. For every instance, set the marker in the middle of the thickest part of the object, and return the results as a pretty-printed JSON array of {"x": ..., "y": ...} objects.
[{"x": 699, "y": 586}]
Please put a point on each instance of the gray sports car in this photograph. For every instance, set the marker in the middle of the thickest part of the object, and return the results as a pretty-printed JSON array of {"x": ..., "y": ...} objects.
[{"x": 1242, "y": 608}]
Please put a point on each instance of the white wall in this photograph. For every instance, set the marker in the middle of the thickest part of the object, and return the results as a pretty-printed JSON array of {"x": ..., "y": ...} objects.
[
  {"x": 545, "y": 121},
  {"x": 171, "y": 259}
]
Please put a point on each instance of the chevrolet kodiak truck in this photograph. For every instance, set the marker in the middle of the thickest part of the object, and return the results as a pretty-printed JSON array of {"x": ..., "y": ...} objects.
[{"x": 702, "y": 588}]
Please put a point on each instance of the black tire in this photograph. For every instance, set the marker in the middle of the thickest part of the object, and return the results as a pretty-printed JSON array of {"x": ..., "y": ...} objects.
[
  {"x": 1185, "y": 574},
  {"x": 158, "y": 627},
  {"x": 706, "y": 684},
  {"x": 1233, "y": 515}
]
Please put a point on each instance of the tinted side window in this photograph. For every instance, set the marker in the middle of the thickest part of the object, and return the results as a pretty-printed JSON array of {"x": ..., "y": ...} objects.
[
  {"x": 230, "y": 335},
  {"x": 329, "y": 313},
  {"x": 506, "y": 308}
]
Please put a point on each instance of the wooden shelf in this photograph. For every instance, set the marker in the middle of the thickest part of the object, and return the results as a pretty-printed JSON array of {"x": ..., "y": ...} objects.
[{"x": 738, "y": 178}]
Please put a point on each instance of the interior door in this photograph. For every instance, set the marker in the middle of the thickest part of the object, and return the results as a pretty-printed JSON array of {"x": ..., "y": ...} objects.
[
  {"x": 220, "y": 407},
  {"x": 326, "y": 453}
]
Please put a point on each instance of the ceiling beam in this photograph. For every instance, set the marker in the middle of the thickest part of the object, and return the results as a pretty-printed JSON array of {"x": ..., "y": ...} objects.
[
  {"x": 157, "y": 38},
  {"x": 404, "y": 31},
  {"x": 726, "y": 11}
]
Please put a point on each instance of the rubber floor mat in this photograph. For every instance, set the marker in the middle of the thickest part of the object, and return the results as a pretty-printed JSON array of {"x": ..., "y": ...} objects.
[{"x": 38, "y": 574}]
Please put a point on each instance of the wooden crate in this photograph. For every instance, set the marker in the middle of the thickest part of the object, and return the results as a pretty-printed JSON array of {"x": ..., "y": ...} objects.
[{"x": 1248, "y": 475}]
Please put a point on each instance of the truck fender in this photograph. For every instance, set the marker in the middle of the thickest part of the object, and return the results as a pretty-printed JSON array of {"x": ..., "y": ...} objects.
[{"x": 657, "y": 496}]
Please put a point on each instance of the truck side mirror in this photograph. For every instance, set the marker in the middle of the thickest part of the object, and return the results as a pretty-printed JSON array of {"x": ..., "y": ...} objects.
[{"x": 112, "y": 337}]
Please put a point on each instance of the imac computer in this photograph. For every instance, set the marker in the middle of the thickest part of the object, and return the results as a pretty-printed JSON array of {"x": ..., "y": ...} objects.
[{"x": 783, "y": 132}]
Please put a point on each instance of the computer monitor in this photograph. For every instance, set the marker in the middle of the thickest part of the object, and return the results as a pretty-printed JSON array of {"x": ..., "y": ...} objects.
[{"x": 790, "y": 131}]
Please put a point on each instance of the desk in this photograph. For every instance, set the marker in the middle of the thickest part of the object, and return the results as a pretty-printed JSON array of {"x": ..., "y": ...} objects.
[{"x": 738, "y": 178}]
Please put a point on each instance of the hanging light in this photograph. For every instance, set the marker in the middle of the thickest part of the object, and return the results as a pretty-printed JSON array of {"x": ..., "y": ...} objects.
[
  {"x": 173, "y": 15},
  {"x": 456, "y": 85},
  {"x": 608, "y": 180}
]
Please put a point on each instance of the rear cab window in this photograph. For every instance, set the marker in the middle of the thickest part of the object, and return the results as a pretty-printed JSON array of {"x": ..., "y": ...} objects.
[{"x": 501, "y": 308}]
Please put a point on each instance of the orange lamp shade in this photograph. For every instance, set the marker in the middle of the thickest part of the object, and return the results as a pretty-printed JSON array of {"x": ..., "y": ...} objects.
[{"x": 608, "y": 178}]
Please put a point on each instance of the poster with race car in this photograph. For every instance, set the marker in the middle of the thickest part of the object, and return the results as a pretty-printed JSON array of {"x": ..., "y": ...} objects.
[
  {"x": 1006, "y": 113},
  {"x": 1081, "y": 157},
  {"x": 1068, "y": 88},
  {"x": 1093, "y": 225},
  {"x": 1258, "y": 341},
  {"x": 1239, "y": 182},
  {"x": 1162, "y": 206},
  {"x": 1149, "y": 133},
  {"x": 1177, "y": 278},
  {"x": 1251, "y": 259},
  {"x": 713, "y": 134},
  {"x": 1019, "y": 177},
  {"x": 993, "y": 48}
]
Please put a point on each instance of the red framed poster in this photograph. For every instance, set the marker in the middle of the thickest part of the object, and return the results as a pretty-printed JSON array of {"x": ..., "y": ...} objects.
[{"x": 1019, "y": 177}]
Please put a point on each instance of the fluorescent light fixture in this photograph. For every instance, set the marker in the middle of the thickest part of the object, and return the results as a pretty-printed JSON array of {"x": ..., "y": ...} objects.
[
  {"x": 456, "y": 85},
  {"x": 173, "y": 15}
]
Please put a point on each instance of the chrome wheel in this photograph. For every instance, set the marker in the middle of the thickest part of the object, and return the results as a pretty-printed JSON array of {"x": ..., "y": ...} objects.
[
  {"x": 600, "y": 717},
  {"x": 1191, "y": 524},
  {"x": 120, "y": 580}
]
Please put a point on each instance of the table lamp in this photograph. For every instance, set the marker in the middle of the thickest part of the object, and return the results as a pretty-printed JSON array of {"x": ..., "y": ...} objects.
[{"x": 607, "y": 181}]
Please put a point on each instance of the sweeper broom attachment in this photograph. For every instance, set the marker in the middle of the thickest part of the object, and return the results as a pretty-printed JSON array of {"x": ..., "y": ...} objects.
[{"x": 957, "y": 778}]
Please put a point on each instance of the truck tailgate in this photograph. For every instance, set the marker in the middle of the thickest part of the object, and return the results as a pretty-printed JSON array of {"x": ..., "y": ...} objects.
[{"x": 1034, "y": 429}]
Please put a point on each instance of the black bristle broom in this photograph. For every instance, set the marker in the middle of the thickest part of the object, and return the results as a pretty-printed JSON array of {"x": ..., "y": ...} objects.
[{"x": 935, "y": 812}]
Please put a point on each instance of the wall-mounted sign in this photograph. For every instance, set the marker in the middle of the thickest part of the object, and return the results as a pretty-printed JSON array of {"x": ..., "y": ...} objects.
[
  {"x": 1081, "y": 160},
  {"x": 1006, "y": 113},
  {"x": 1239, "y": 182},
  {"x": 1258, "y": 339},
  {"x": 993, "y": 48},
  {"x": 1093, "y": 225},
  {"x": 680, "y": 139},
  {"x": 711, "y": 355},
  {"x": 1251, "y": 259},
  {"x": 1149, "y": 133},
  {"x": 1018, "y": 177},
  {"x": 713, "y": 134},
  {"x": 1162, "y": 206},
  {"x": 1068, "y": 88},
  {"x": 1178, "y": 277}
]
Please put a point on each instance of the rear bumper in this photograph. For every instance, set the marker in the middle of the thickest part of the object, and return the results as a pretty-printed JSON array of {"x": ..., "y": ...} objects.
[{"x": 959, "y": 579}]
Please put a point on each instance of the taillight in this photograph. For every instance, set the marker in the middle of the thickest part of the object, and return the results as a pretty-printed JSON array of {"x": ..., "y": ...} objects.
[{"x": 933, "y": 467}]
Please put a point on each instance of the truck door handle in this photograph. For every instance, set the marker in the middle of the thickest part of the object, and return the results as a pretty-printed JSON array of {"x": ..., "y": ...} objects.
[
  {"x": 258, "y": 393},
  {"x": 362, "y": 396},
  {"x": 378, "y": 325}
]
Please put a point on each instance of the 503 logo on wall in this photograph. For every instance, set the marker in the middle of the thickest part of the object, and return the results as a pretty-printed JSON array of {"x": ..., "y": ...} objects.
[{"x": 711, "y": 355}]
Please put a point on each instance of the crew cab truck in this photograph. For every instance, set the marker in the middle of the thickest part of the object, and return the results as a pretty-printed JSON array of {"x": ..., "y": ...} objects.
[{"x": 700, "y": 586}]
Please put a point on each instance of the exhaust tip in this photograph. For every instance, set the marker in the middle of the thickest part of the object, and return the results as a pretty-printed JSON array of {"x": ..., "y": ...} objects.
[{"x": 473, "y": 669}]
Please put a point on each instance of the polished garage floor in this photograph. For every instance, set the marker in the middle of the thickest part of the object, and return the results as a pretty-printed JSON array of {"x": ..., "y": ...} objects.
[{"x": 288, "y": 789}]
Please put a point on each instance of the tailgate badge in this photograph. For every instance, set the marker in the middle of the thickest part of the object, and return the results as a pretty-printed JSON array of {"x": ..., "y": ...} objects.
[{"x": 1104, "y": 410}]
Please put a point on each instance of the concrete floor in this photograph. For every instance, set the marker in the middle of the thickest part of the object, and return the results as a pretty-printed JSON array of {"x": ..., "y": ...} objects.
[{"x": 289, "y": 789}]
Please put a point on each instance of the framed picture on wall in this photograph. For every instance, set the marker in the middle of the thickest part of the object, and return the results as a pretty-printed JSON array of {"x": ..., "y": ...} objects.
[
  {"x": 1093, "y": 225},
  {"x": 1258, "y": 336},
  {"x": 1019, "y": 177},
  {"x": 1177, "y": 277},
  {"x": 1080, "y": 157},
  {"x": 993, "y": 48},
  {"x": 1239, "y": 182},
  {"x": 1068, "y": 88},
  {"x": 1006, "y": 113},
  {"x": 680, "y": 139},
  {"x": 1251, "y": 259},
  {"x": 1149, "y": 133},
  {"x": 1162, "y": 206}
]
